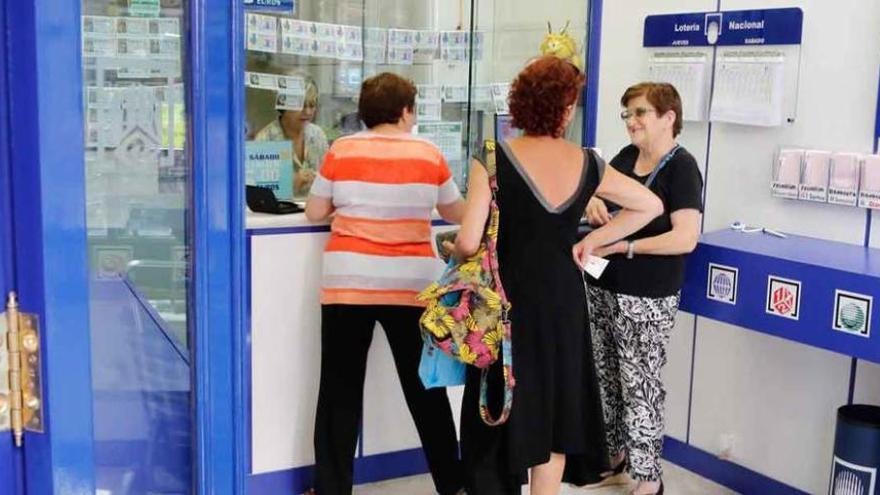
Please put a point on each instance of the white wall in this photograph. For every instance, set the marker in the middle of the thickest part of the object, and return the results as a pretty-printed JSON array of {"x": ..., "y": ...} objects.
[{"x": 777, "y": 398}]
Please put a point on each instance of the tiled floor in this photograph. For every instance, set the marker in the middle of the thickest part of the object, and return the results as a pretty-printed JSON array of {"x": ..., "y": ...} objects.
[{"x": 676, "y": 480}]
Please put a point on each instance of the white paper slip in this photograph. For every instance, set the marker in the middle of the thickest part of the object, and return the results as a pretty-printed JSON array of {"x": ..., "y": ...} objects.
[{"x": 595, "y": 266}]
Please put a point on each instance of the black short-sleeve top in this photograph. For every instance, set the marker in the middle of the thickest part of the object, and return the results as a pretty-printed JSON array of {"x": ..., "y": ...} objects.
[{"x": 679, "y": 185}]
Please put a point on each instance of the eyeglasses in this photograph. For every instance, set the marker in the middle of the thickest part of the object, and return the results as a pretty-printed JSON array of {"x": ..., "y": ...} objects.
[{"x": 638, "y": 113}]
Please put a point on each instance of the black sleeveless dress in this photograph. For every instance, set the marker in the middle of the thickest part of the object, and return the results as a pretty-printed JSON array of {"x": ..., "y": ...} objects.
[{"x": 556, "y": 404}]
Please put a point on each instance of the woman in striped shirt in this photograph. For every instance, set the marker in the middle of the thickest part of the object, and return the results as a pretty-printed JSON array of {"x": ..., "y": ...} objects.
[{"x": 383, "y": 185}]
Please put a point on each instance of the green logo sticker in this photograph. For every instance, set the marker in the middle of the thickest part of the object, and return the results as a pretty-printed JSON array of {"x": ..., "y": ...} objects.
[
  {"x": 852, "y": 316},
  {"x": 852, "y": 313}
]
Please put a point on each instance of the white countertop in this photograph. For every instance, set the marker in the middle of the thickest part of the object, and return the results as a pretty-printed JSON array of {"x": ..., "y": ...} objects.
[{"x": 272, "y": 221}]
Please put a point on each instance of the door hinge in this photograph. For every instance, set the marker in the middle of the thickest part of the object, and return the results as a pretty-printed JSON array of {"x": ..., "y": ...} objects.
[{"x": 21, "y": 404}]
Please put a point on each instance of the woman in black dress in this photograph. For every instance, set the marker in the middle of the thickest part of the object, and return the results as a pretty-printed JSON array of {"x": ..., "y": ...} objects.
[{"x": 555, "y": 424}]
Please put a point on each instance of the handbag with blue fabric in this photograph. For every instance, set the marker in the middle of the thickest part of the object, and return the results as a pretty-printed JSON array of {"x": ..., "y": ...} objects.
[{"x": 438, "y": 369}]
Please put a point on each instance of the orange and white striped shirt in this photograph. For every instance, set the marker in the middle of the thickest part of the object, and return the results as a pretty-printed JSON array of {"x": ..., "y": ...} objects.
[{"x": 384, "y": 189}]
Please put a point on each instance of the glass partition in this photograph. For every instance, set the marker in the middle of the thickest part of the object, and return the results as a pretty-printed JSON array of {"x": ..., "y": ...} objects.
[
  {"x": 137, "y": 183},
  {"x": 514, "y": 31},
  {"x": 136, "y": 170},
  {"x": 305, "y": 67}
]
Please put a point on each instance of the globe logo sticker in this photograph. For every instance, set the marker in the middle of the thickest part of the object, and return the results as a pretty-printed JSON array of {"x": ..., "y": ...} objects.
[
  {"x": 783, "y": 297},
  {"x": 721, "y": 284},
  {"x": 848, "y": 478},
  {"x": 852, "y": 316},
  {"x": 852, "y": 313}
]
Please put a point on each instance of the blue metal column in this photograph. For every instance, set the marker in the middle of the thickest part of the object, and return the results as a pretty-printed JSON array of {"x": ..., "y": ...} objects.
[
  {"x": 45, "y": 98},
  {"x": 591, "y": 90},
  {"x": 216, "y": 227},
  {"x": 10, "y": 457}
]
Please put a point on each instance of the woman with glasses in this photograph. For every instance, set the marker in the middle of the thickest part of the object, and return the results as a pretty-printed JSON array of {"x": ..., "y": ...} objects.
[
  {"x": 633, "y": 304},
  {"x": 308, "y": 139}
]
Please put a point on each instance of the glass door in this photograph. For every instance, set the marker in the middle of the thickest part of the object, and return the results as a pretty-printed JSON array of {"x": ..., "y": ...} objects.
[
  {"x": 137, "y": 181},
  {"x": 123, "y": 244}
]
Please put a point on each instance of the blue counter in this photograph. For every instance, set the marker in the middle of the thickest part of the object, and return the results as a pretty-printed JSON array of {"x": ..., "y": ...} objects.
[{"x": 812, "y": 291}]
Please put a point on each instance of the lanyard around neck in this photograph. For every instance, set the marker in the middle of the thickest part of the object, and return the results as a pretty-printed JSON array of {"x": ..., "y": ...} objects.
[{"x": 660, "y": 165}]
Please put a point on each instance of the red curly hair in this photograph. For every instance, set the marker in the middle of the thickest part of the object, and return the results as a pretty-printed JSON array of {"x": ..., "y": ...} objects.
[{"x": 541, "y": 93}]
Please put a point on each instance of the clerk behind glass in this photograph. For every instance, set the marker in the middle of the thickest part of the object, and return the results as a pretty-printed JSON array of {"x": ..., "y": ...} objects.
[{"x": 309, "y": 140}]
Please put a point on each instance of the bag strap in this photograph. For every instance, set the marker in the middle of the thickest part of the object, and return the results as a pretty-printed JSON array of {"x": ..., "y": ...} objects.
[
  {"x": 660, "y": 165},
  {"x": 490, "y": 235}
]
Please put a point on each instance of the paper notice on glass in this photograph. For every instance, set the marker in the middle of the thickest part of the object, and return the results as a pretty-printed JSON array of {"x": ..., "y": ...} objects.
[
  {"x": 260, "y": 81},
  {"x": 454, "y": 55},
  {"x": 402, "y": 38},
  {"x": 270, "y": 164},
  {"x": 454, "y": 39},
  {"x": 323, "y": 31},
  {"x": 294, "y": 102},
  {"x": 324, "y": 49},
  {"x": 814, "y": 177},
  {"x": 262, "y": 33},
  {"x": 427, "y": 40},
  {"x": 130, "y": 46},
  {"x": 499, "y": 96},
  {"x": 352, "y": 52},
  {"x": 455, "y": 93},
  {"x": 400, "y": 55},
  {"x": 93, "y": 24},
  {"x": 446, "y": 135},
  {"x": 430, "y": 91},
  {"x": 166, "y": 25},
  {"x": 146, "y": 68},
  {"x": 295, "y": 27},
  {"x": 375, "y": 42},
  {"x": 293, "y": 85},
  {"x": 144, "y": 8},
  {"x": 595, "y": 266},
  {"x": 749, "y": 89},
  {"x": 428, "y": 110},
  {"x": 165, "y": 48},
  {"x": 787, "y": 173},
  {"x": 352, "y": 34},
  {"x": 262, "y": 43},
  {"x": 843, "y": 184},
  {"x": 295, "y": 45},
  {"x": 99, "y": 45},
  {"x": 132, "y": 25},
  {"x": 688, "y": 72},
  {"x": 869, "y": 183}
]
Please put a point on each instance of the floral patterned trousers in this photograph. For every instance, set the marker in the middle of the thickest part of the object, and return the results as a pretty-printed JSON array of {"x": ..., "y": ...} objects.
[{"x": 630, "y": 336}]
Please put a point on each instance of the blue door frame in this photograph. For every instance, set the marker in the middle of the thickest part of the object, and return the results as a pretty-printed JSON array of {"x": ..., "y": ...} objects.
[
  {"x": 49, "y": 242},
  {"x": 217, "y": 136},
  {"x": 41, "y": 162},
  {"x": 10, "y": 457}
]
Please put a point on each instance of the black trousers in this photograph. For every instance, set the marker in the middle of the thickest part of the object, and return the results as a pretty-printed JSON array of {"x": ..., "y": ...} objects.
[{"x": 346, "y": 333}]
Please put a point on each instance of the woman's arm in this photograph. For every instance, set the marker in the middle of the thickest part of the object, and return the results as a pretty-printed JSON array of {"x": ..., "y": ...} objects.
[
  {"x": 452, "y": 212},
  {"x": 476, "y": 211},
  {"x": 319, "y": 208},
  {"x": 639, "y": 204},
  {"x": 682, "y": 239}
]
